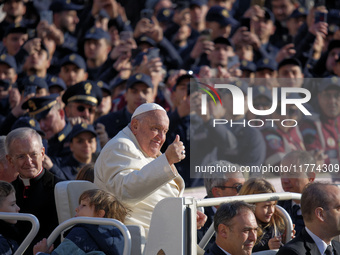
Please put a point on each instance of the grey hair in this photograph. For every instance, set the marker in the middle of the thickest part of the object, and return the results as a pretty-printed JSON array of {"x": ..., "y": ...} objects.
[
  {"x": 2, "y": 148},
  {"x": 300, "y": 158},
  {"x": 220, "y": 178},
  {"x": 21, "y": 134},
  {"x": 227, "y": 211}
]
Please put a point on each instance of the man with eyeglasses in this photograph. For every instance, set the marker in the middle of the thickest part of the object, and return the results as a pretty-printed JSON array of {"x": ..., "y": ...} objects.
[
  {"x": 284, "y": 136},
  {"x": 81, "y": 101},
  {"x": 321, "y": 133},
  {"x": 219, "y": 185}
]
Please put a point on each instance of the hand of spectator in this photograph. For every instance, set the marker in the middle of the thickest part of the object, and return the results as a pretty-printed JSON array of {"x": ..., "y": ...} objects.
[
  {"x": 222, "y": 72},
  {"x": 14, "y": 97},
  {"x": 201, "y": 46},
  {"x": 175, "y": 151},
  {"x": 235, "y": 71},
  {"x": 45, "y": 30},
  {"x": 17, "y": 111},
  {"x": 47, "y": 162},
  {"x": 242, "y": 35},
  {"x": 318, "y": 46},
  {"x": 201, "y": 219},
  {"x": 155, "y": 32},
  {"x": 320, "y": 27},
  {"x": 32, "y": 45},
  {"x": 274, "y": 243},
  {"x": 102, "y": 134},
  {"x": 286, "y": 51},
  {"x": 121, "y": 12},
  {"x": 124, "y": 48},
  {"x": 143, "y": 26},
  {"x": 122, "y": 64},
  {"x": 42, "y": 247},
  {"x": 171, "y": 81},
  {"x": 254, "y": 12},
  {"x": 110, "y": 6},
  {"x": 311, "y": 14}
]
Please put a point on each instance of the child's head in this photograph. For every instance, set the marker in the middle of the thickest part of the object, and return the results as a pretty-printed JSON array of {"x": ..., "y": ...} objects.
[
  {"x": 99, "y": 203},
  {"x": 7, "y": 199},
  {"x": 264, "y": 210},
  {"x": 86, "y": 173}
]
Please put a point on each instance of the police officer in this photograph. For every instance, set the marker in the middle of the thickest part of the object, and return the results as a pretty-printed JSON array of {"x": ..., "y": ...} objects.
[
  {"x": 81, "y": 102},
  {"x": 82, "y": 144},
  {"x": 49, "y": 113},
  {"x": 73, "y": 69}
]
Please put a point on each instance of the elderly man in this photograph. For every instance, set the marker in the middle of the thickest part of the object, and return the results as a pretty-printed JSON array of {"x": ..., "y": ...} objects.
[
  {"x": 34, "y": 186},
  {"x": 219, "y": 185},
  {"x": 320, "y": 203},
  {"x": 296, "y": 182},
  {"x": 236, "y": 229},
  {"x": 132, "y": 167}
]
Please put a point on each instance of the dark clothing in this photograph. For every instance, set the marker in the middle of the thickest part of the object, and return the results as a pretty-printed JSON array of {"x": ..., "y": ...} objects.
[
  {"x": 296, "y": 219},
  {"x": 262, "y": 245},
  {"x": 201, "y": 232},
  {"x": 115, "y": 121},
  {"x": 70, "y": 167},
  {"x": 8, "y": 238},
  {"x": 304, "y": 244},
  {"x": 89, "y": 238},
  {"x": 214, "y": 250},
  {"x": 58, "y": 145},
  {"x": 37, "y": 199}
]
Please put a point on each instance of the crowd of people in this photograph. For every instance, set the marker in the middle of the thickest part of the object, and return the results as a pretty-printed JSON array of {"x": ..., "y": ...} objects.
[{"x": 107, "y": 91}]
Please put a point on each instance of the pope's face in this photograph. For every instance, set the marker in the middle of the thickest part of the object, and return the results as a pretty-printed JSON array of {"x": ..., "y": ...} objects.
[{"x": 151, "y": 131}]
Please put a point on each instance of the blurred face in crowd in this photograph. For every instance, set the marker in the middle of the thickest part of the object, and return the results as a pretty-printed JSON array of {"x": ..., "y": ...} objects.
[
  {"x": 332, "y": 57},
  {"x": 219, "y": 56},
  {"x": 83, "y": 146},
  {"x": 66, "y": 21},
  {"x": 26, "y": 156},
  {"x": 241, "y": 234},
  {"x": 293, "y": 25},
  {"x": 263, "y": 28},
  {"x": 114, "y": 35},
  {"x": 230, "y": 187},
  {"x": 53, "y": 122},
  {"x": 8, "y": 204},
  {"x": 180, "y": 93},
  {"x": 96, "y": 49},
  {"x": 282, "y": 9},
  {"x": 14, "y": 8},
  {"x": 265, "y": 73},
  {"x": 218, "y": 30},
  {"x": 7, "y": 73},
  {"x": 197, "y": 14},
  {"x": 292, "y": 74},
  {"x": 244, "y": 51},
  {"x": 105, "y": 105},
  {"x": 294, "y": 182},
  {"x": 150, "y": 131},
  {"x": 182, "y": 34},
  {"x": 37, "y": 61},
  {"x": 85, "y": 111},
  {"x": 72, "y": 74},
  {"x": 14, "y": 41},
  {"x": 329, "y": 101},
  {"x": 138, "y": 94}
]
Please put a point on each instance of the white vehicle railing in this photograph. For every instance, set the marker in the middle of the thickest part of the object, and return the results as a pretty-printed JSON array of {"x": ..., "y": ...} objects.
[
  {"x": 173, "y": 227},
  {"x": 24, "y": 217},
  {"x": 95, "y": 221}
]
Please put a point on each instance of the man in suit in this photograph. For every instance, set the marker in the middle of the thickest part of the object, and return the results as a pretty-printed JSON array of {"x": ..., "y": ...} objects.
[
  {"x": 132, "y": 167},
  {"x": 219, "y": 184},
  {"x": 236, "y": 229},
  {"x": 320, "y": 203},
  {"x": 296, "y": 182}
]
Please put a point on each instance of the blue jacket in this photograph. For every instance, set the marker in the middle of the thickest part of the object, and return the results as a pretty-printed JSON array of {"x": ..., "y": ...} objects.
[{"x": 91, "y": 239}]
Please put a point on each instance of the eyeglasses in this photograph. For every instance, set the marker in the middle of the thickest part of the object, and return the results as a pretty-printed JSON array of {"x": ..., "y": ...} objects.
[
  {"x": 81, "y": 108},
  {"x": 237, "y": 187}
]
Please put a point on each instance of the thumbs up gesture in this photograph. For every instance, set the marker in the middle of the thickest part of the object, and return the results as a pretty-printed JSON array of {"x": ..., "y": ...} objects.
[{"x": 175, "y": 152}]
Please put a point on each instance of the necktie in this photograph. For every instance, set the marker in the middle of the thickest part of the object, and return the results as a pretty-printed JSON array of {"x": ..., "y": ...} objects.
[{"x": 329, "y": 250}]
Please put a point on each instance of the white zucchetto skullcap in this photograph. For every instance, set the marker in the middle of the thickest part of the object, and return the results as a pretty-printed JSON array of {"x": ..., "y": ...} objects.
[{"x": 146, "y": 108}]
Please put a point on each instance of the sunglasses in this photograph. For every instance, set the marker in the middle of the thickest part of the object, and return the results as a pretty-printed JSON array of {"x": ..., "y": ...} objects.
[
  {"x": 81, "y": 108},
  {"x": 236, "y": 187}
]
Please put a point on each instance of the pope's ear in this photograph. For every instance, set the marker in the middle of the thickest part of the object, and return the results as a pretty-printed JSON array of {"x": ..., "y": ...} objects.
[{"x": 134, "y": 125}]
